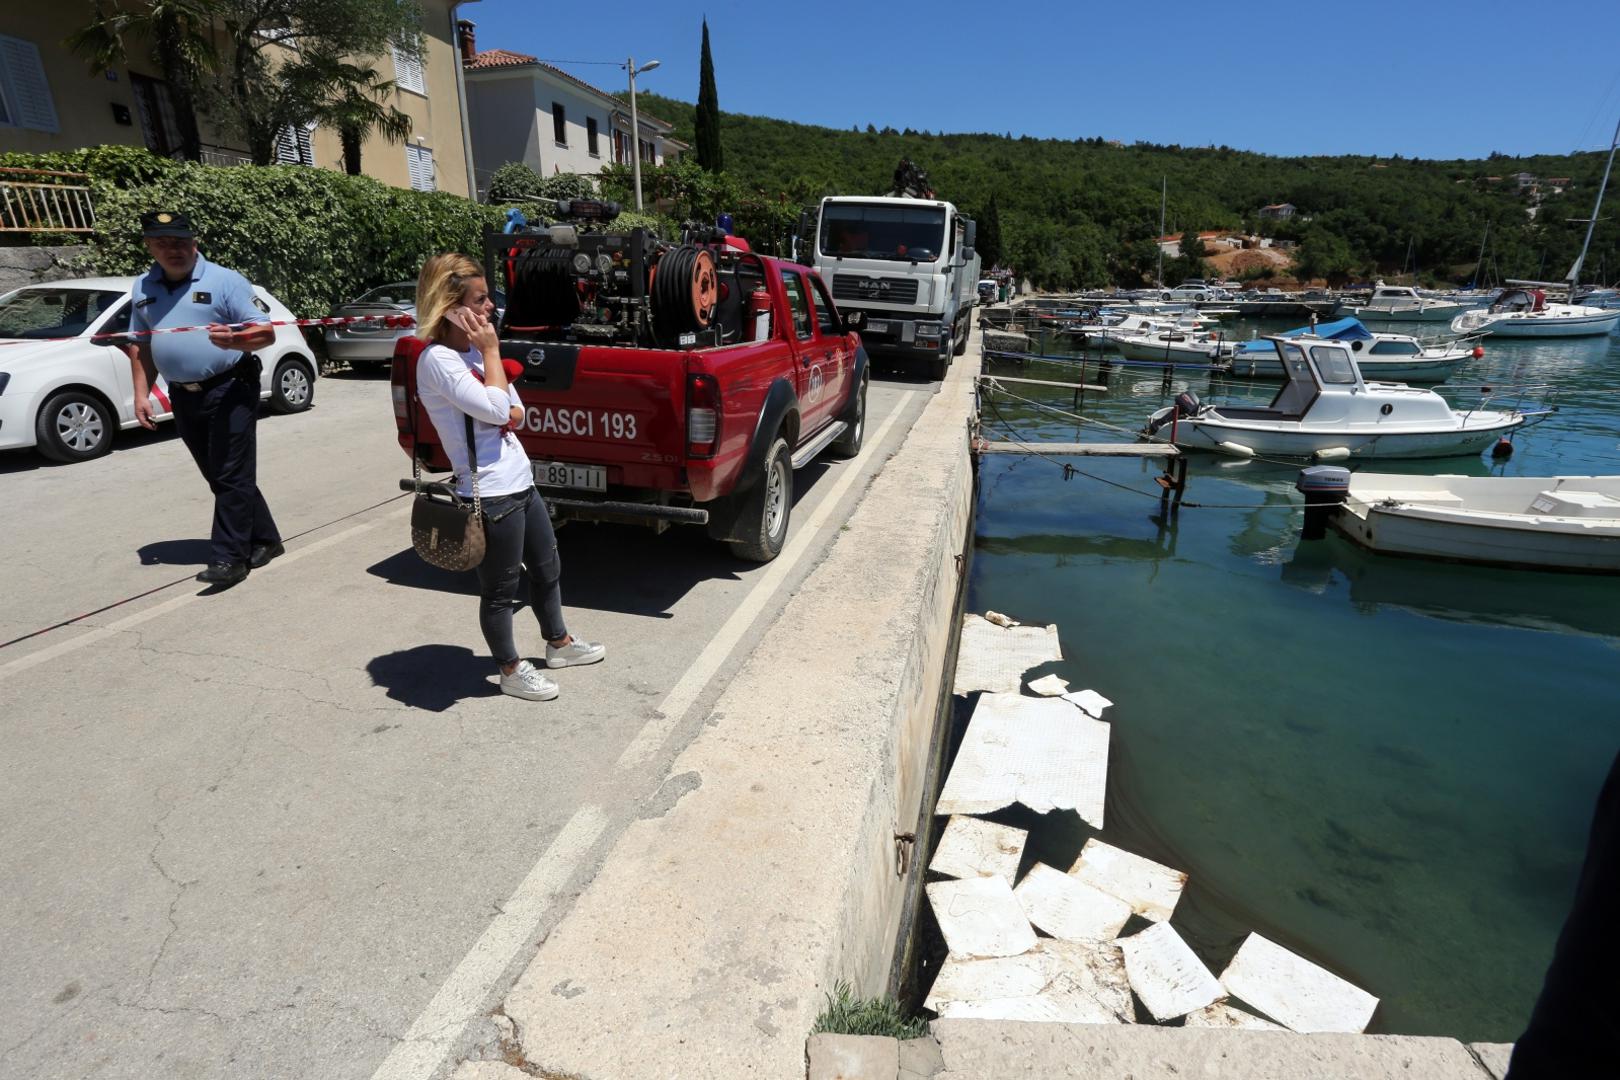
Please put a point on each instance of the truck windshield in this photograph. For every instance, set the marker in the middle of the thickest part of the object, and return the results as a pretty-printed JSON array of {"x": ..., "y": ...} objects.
[{"x": 883, "y": 232}]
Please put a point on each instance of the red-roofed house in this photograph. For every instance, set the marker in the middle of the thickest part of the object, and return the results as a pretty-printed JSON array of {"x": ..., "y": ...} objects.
[{"x": 520, "y": 108}]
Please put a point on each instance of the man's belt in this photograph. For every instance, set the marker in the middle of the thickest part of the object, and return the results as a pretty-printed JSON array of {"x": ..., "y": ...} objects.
[{"x": 245, "y": 368}]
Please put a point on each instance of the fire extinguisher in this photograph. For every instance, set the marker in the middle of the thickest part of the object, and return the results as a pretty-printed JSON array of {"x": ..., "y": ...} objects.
[{"x": 759, "y": 310}]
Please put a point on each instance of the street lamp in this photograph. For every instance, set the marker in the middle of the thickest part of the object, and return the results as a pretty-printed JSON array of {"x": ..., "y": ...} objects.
[{"x": 635, "y": 125}]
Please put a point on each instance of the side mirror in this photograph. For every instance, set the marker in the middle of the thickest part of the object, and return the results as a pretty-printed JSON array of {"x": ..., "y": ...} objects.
[
  {"x": 854, "y": 320},
  {"x": 970, "y": 233}
]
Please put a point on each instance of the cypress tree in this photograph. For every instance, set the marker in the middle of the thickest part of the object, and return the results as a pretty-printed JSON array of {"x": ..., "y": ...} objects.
[{"x": 706, "y": 121}]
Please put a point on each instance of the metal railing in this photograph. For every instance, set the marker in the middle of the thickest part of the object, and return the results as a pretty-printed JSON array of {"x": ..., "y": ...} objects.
[
  {"x": 40, "y": 200},
  {"x": 219, "y": 155}
]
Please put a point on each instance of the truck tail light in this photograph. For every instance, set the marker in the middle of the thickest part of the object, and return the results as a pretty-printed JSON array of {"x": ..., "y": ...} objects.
[
  {"x": 400, "y": 407},
  {"x": 702, "y": 415}
]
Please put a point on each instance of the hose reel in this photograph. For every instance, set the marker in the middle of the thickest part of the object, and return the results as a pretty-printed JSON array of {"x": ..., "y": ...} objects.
[{"x": 684, "y": 290}]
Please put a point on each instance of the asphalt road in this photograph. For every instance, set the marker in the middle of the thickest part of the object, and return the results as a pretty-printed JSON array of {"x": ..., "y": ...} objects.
[{"x": 261, "y": 832}]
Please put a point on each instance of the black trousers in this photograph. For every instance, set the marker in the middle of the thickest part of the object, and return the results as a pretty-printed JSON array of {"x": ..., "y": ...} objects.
[
  {"x": 520, "y": 545},
  {"x": 1574, "y": 1031},
  {"x": 219, "y": 426}
]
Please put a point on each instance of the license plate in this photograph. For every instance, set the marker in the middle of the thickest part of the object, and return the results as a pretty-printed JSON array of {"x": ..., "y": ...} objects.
[{"x": 563, "y": 475}]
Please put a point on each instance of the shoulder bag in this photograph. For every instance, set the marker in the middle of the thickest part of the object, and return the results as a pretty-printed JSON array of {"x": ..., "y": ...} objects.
[{"x": 447, "y": 530}]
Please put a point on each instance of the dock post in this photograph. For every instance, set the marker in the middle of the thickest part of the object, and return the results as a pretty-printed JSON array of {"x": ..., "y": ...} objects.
[{"x": 1180, "y": 468}]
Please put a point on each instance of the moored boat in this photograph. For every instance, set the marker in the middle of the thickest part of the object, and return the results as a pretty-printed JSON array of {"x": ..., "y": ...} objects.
[
  {"x": 1382, "y": 357},
  {"x": 1402, "y": 303},
  {"x": 1174, "y": 346},
  {"x": 1525, "y": 312}
]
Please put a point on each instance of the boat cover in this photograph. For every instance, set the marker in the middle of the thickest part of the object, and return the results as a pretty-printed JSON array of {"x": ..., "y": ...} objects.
[{"x": 1339, "y": 330}]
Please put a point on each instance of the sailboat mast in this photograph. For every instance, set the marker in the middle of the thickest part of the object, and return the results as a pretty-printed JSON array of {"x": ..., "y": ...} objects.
[
  {"x": 1575, "y": 271},
  {"x": 1479, "y": 264},
  {"x": 1162, "y": 189}
]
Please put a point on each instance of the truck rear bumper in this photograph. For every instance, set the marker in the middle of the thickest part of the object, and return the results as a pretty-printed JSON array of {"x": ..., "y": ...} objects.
[{"x": 591, "y": 509}]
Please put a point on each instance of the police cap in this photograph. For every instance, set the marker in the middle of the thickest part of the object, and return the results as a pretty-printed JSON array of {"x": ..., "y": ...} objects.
[{"x": 166, "y": 223}]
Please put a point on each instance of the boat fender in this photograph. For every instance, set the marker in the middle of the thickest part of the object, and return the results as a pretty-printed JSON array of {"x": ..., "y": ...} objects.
[
  {"x": 1332, "y": 453},
  {"x": 1236, "y": 449},
  {"x": 1479, "y": 352},
  {"x": 1325, "y": 488},
  {"x": 1503, "y": 448}
]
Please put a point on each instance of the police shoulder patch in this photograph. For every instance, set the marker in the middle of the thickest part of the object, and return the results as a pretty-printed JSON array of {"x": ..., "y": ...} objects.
[
  {"x": 261, "y": 305},
  {"x": 201, "y": 297}
]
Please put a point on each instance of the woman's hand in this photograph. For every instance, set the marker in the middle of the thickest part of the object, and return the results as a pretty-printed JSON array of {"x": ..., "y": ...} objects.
[{"x": 479, "y": 330}]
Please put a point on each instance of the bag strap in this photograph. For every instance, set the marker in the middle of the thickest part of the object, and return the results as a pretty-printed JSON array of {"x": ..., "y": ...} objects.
[{"x": 472, "y": 456}]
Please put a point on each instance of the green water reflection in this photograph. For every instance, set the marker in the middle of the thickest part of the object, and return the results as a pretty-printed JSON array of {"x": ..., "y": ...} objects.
[{"x": 1388, "y": 765}]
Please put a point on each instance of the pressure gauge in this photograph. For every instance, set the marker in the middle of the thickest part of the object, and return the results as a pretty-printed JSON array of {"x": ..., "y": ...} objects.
[
  {"x": 582, "y": 263},
  {"x": 604, "y": 262}
]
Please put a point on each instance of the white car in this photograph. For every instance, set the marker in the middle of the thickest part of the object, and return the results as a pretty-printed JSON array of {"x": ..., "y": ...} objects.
[
  {"x": 1193, "y": 293},
  {"x": 66, "y": 394}
]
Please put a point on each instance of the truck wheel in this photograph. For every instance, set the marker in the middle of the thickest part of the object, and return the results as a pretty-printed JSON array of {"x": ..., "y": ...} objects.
[
  {"x": 938, "y": 366},
  {"x": 962, "y": 342},
  {"x": 767, "y": 507},
  {"x": 848, "y": 444}
]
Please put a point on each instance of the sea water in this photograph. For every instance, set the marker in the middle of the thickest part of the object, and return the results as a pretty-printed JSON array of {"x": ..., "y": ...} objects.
[{"x": 1387, "y": 765}]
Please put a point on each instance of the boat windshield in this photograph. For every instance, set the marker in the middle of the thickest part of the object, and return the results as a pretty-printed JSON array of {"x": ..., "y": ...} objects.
[
  {"x": 1334, "y": 364},
  {"x": 902, "y": 233}
]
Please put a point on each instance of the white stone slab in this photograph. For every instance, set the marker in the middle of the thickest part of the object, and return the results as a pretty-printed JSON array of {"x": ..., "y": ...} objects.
[
  {"x": 1222, "y": 1015},
  {"x": 970, "y": 848},
  {"x": 1295, "y": 992},
  {"x": 1033, "y": 751},
  {"x": 1151, "y": 888},
  {"x": 1050, "y": 686},
  {"x": 980, "y": 917},
  {"x": 1166, "y": 975},
  {"x": 1089, "y": 702},
  {"x": 1069, "y": 909},
  {"x": 1055, "y": 981},
  {"x": 994, "y": 658}
]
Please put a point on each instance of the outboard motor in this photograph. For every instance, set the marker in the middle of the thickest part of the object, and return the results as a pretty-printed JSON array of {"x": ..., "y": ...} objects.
[
  {"x": 1187, "y": 403},
  {"x": 1325, "y": 488}
]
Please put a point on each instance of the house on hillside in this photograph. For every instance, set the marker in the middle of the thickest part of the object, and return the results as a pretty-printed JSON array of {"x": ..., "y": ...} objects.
[
  {"x": 1278, "y": 211},
  {"x": 49, "y": 100},
  {"x": 522, "y": 109}
]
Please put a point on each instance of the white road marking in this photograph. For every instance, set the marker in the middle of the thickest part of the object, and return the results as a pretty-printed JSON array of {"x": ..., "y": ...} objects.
[
  {"x": 101, "y": 633},
  {"x": 670, "y": 711},
  {"x": 433, "y": 1036}
]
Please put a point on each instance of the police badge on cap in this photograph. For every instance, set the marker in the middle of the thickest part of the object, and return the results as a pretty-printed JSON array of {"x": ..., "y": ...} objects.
[{"x": 167, "y": 223}]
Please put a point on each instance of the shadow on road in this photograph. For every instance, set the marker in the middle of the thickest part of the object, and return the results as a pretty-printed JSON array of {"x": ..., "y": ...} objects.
[
  {"x": 433, "y": 677},
  {"x": 176, "y": 553},
  {"x": 407, "y": 568}
]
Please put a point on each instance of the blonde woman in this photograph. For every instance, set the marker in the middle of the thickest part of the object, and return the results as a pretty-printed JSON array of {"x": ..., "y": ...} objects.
[{"x": 460, "y": 375}]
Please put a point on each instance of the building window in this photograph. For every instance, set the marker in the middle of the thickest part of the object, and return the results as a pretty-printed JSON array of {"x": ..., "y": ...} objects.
[
  {"x": 25, "y": 96},
  {"x": 559, "y": 124},
  {"x": 590, "y": 137},
  {"x": 621, "y": 148},
  {"x": 295, "y": 145},
  {"x": 160, "y": 124},
  {"x": 419, "y": 159},
  {"x": 647, "y": 152},
  {"x": 408, "y": 71}
]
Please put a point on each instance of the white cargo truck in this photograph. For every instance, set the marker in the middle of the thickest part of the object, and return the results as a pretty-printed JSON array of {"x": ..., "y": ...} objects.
[{"x": 908, "y": 264}]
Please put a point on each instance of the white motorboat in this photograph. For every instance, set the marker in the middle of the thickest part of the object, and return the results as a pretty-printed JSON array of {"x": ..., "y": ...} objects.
[
  {"x": 1176, "y": 346},
  {"x": 1327, "y": 411},
  {"x": 1402, "y": 303},
  {"x": 1525, "y": 312},
  {"x": 1538, "y": 522},
  {"x": 1116, "y": 325},
  {"x": 1381, "y": 357}
]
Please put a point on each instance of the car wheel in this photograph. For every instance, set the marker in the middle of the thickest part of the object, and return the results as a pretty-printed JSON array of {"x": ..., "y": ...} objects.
[
  {"x": 292, "y": 389},
  {"x": 848, "y": 444},
  {"x": 74, "y": 425},
  {"x": 768, "y": 507}
]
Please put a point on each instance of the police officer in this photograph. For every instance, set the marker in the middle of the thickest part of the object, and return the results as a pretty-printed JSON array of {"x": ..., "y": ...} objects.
[{"x": 213, "y": 378}]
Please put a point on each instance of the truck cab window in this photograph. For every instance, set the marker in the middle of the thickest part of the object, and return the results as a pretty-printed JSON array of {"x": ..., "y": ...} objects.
[
  {"x": 799, "y": 302},
  {"x": 826, "y": 314}
]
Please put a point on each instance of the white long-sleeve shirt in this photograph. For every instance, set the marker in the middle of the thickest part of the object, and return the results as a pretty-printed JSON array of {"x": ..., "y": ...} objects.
[{"x": 450, "y": 392}]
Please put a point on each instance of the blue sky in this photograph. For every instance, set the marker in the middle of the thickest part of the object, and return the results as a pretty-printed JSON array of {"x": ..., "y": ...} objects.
[{"x": 1420, "y": 78}]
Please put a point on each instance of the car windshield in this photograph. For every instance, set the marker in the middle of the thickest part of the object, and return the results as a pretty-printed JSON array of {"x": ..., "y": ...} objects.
[
  {"x": 901, "y": 233},
  {"x": 54, "y": 311},
  {"x": 402, "y": 293}
]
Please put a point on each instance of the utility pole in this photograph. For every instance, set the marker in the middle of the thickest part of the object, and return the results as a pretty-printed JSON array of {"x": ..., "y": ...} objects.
[
  {"x": 1159, "y": 243},
  {"x": 635, "y": 123}
]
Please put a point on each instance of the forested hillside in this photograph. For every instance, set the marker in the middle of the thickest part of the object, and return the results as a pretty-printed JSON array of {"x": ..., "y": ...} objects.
[{"x": 1084, "y": 212}]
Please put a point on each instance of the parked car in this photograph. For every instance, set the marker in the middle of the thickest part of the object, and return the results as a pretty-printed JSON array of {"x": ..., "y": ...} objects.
[
  {"x": 68, "y": 395},
  {"x": 373, "y": 343}
]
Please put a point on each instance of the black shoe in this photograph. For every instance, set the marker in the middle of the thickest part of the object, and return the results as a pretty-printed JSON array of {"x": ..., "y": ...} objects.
[
  {"x": 263, "y": 553},
  {"x": 223, "y": 573}
]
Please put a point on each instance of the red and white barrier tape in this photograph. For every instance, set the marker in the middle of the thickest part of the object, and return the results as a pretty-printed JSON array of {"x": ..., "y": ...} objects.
[{"x": 396, "y": 322}]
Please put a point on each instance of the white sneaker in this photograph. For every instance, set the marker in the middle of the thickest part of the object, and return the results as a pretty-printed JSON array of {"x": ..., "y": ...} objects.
[
  {"x": 528, "y": 683},
  {"x": 575, "y": 653}
]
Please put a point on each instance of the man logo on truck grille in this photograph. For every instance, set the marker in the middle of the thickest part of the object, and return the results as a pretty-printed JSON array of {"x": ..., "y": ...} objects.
[
  {"x": 536, "y": 357},
  {"x": 874, "y": 285}
]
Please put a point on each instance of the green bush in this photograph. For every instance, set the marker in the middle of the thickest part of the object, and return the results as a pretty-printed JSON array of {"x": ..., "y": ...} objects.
[
  {"x": 516, "y": 182},
  {"x": 312, "y": 237}
]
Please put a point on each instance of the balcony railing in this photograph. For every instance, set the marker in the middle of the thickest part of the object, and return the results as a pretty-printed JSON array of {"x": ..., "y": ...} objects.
[
  {"x": 219, "y": 155},
  {"x": 42, "y": 201}
]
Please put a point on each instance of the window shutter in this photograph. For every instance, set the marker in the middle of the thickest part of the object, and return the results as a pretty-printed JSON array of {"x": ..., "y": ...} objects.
[
  {"x": 28, "y": 92},
  {"x": 420, "y": 161},
  {"x": 295, "y": 145},
  {"x": 408, "y": 71}
]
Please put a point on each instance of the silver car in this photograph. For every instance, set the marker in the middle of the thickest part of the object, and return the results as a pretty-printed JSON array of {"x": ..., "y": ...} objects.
[{"x": 371, "y": 342}]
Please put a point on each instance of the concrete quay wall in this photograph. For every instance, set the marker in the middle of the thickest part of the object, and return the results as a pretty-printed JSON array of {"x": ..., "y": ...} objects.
[{"x": 718, "y": 922}]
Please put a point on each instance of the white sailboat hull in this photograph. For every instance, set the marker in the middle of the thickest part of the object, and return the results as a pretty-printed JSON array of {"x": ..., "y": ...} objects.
[
  {"x": 1496, "y": 521},
  {"x": 1538, "y": 324}
]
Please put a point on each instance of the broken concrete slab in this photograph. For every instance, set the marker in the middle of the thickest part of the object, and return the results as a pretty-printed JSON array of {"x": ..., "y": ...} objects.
[
  {"x": 1033, "y": 751},
  {"x": 1166, "y": 974},
  {"x": 994, "y": 658},
  {"x": 980, "y": 917},
  {"x": 1089, "y": 702},
  {"x": 970, "y": 847},
  {"x": 1069, "y": 909},
  {"x": 1223, "y": 1015},
  {"x": 853, "y": 1057},
  {"x": 1295, "y": 992},
  {"x": 1151, "y": 888},
  {"x": 920, "y": 1059},
  {"x": 976, "y": 1049},
  {"x": 1494, "y": 1056},
  {"x": 1050, "y": 686},
  {"x": 1055, "y": 982}
]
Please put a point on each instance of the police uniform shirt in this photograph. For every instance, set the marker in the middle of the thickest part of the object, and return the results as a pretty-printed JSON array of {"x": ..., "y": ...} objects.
[{"x": 212, "y": 294}]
